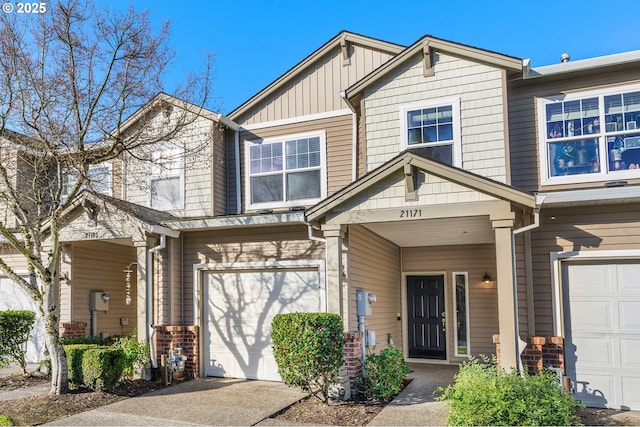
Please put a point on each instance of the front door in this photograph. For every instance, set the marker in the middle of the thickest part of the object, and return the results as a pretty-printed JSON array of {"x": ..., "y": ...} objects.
[{"x": 426, "y": 317}]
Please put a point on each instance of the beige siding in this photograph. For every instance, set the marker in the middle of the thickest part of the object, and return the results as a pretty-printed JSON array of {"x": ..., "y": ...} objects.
[
  {"x": 98, "y": 266},
  {"x": 374, "y": 266},
  {"x": 523, "y": 120},
  {"x": 583, "y": 229},
  {"x": 339, "y": 150},
  {"x": 167, "y": 276},
  {"x": 479, "y": 88},
  {"x": 250, "y": 244},
  {"x": 483, "y": 299},
  {"x": 317, "y": 88}
]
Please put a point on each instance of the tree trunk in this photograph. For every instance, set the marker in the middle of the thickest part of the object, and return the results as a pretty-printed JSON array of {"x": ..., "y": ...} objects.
[{"x": 59, "y": 367}]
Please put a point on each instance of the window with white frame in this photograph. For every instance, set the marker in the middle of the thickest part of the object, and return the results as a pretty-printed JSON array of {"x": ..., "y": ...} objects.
[
  {"x": 461, "y": 314},
  {"x": 590, "y": 136},
  {"x": 286, "y": 172},
  {"x": 99, "y": 180},
  {"x": 167, "y": 179},
  {"x": 434, "y": 129}
]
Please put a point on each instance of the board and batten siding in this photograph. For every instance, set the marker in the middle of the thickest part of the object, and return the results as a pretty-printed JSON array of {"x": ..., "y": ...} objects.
[
  {"x": 483, "y": 298},
  {"x": 374, "y": 266},
  {"x": 317, "y": 88},
  {"x": 523, "y": 119},
  {"x": 579, "y": 230},
  {"x": 480, "y": 90},
  {"x": 249, "y": 244},
  {"x": 98, "y": 266},
  {"x": 339, "y": 151},
  {"x": 167, "y": 271}
]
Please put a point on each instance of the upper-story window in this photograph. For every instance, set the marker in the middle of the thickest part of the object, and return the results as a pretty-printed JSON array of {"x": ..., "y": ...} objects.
[
  {"x": 167, "y": 179},
  {"x": 590, "y": 136},
  {"x": 99, "y": 180},
  {"x": 286, "y": 172},
  {"x": 434, "y": 128}
]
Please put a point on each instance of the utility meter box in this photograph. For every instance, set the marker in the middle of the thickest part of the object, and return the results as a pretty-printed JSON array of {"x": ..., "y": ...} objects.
[
  {"x": 364, "y": 302},
  {"x": 99, "y": 301}
]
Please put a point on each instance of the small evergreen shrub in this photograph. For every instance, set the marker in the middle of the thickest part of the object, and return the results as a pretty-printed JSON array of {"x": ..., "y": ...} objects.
[
  {"x": 136, "y": 354},
  {"x": 15, "y": 327},
  {"x": 309, "y": 350},
  {"x": 485, "y": 394},
  {"x": 96, "y": 367},
  {"x": 384, "y": 374},
  {"x": 5, "y": 420}
]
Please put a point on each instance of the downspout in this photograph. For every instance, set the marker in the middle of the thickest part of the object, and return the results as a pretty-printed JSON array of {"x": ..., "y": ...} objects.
[
  {"x": 520, "y": 345},
  {"x": 150, "y": 328}
]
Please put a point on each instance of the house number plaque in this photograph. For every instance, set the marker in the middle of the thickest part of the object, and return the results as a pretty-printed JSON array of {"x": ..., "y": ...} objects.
[{"x": 410, "y": 213}]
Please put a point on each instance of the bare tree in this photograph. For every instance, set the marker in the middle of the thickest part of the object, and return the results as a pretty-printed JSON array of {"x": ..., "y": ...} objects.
[{"x": 70, "y": 80}]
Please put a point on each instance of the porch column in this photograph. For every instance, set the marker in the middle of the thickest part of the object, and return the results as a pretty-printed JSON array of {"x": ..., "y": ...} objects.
[
  {"x": 141, "y": 290},
  {"x": 507, "y": 321},
  {"x": 334, "y": 237}
]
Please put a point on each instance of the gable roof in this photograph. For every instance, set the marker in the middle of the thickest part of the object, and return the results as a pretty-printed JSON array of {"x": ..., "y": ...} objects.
[
  {"x": 473, "y": 181},
  {"x": 429, "y": 43},
  {"x": 338, "y": 40}
]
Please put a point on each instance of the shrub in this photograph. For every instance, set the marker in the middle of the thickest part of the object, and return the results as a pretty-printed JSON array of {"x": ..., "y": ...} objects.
[
  {"x": 5, "y": 420},
  {"x": 485, "y": 394},
  {"x": 96, "y": 367},
  {"x": 15, "y": 327},
  {"x": 309, "y": 350},
  {"x": 136, "y": 354},
  {"x": 384, "y": 374}
]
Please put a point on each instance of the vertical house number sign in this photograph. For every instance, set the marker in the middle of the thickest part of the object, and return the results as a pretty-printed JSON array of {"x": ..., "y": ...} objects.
[{"x": 127, "y": 281}]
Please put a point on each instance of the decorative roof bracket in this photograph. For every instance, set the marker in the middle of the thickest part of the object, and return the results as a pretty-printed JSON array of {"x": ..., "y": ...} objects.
[
  {"x": 345, "y": 47},
  {"x": 410, "y": 193},
  {"x": 427, "y": 70}
]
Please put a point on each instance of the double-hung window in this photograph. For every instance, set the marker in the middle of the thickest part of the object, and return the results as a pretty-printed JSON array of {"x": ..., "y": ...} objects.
[
  {"x": 99, "y": 179},
  {"x": 167, "y": 179},
  {"x": 590, "y": 136},
  {"x": 433, "y": 129},
  {"x": 286, "y": 172}
]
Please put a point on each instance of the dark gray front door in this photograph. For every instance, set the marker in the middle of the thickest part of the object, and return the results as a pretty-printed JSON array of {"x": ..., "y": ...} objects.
[{"x": 425, "y": 317}]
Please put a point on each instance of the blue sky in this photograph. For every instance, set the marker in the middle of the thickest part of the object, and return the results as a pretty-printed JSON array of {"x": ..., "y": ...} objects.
[{"x": 254, "y": 42}]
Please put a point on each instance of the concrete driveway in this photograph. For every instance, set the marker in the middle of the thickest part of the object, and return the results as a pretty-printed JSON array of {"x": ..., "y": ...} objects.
[{"x": 203, "y": 401}]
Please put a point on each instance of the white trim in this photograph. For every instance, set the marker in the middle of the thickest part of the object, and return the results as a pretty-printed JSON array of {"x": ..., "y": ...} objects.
[
  {"x": 354, "y": 146},
  {"x": 299, "y": 119},
  {"x": 237, "y": 221},
  {"x": 198, "y": 269},
  {"x": 322, "y": 135},
  {"x": 584, "y": 64},
  {"x": 454, "y": 301},
  {"x": 456, "y": 144},
  {"x": 556, "y": 260},
  {"x": 543, "y": 154}
]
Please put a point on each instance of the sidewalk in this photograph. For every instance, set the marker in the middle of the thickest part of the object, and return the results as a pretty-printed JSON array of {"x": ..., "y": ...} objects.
[{"x": 22, "y": 392}]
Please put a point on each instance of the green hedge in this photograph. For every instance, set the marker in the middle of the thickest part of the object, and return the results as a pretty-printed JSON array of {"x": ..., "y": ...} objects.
[
  {"x": 15, "y": 327},
  {"x": 483, "y": 394},
  {"x": 96, "y": 367},
  {"x": 5, "y": 421},
  {"x": 384, "y": 374},
  {"x": 309, "y": 350}
]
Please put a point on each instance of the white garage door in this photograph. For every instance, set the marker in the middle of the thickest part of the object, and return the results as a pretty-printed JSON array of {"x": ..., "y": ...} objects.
[
  {"x": 13, "y": 297},
  {"x": 602, "y": 329},
  {"x": 240, "y": 307}
]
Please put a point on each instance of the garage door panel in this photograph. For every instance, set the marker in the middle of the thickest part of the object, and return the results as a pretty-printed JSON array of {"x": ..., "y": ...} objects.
[
  {"x": 591, "y": 315},
  {"x": 602, "y": 331},
  {"x": 13, "y": 297},
  {"x": 240, "y": 308}
]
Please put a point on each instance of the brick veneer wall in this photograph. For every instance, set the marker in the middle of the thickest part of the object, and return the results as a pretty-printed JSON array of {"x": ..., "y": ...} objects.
[
  {"x": 186, "y": 337},
  {"x": 540, "y": 352},
  {"x": 353, "y": 356},
  {"x": 72, "y": 329}
]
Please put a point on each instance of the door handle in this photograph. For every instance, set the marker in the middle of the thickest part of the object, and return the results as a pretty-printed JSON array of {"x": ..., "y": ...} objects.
[{"x": 444, "y": 321}]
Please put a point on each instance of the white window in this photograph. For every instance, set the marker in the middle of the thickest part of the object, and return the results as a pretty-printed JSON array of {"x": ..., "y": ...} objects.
[
  {"x": 461, "y": 314},
  {"x": 167, "y": 179},
  {"x": 99, "y": 180},
  {"x": 590, "y": 136},
  {"x": 433, "y": 129},
  {"x": 286, "y": 172}
]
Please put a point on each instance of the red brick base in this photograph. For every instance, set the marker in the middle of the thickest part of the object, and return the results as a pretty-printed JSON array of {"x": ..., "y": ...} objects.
[
  {"x": 73, "y": 329},
  {"x": 185, "y": 337},
  {"x": 541, "y": 352}
]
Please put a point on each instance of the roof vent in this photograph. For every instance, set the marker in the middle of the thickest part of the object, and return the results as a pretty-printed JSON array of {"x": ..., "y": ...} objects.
[{"x": 565, "y": 57}]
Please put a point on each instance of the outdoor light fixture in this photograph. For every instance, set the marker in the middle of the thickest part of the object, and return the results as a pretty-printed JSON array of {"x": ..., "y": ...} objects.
[
  {"x": 486, "y": 278},
  {"x": 105, "y": 297}
]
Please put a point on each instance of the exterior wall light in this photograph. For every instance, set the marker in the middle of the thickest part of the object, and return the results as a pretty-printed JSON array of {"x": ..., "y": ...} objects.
[{"x": 486, "y": 278}]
